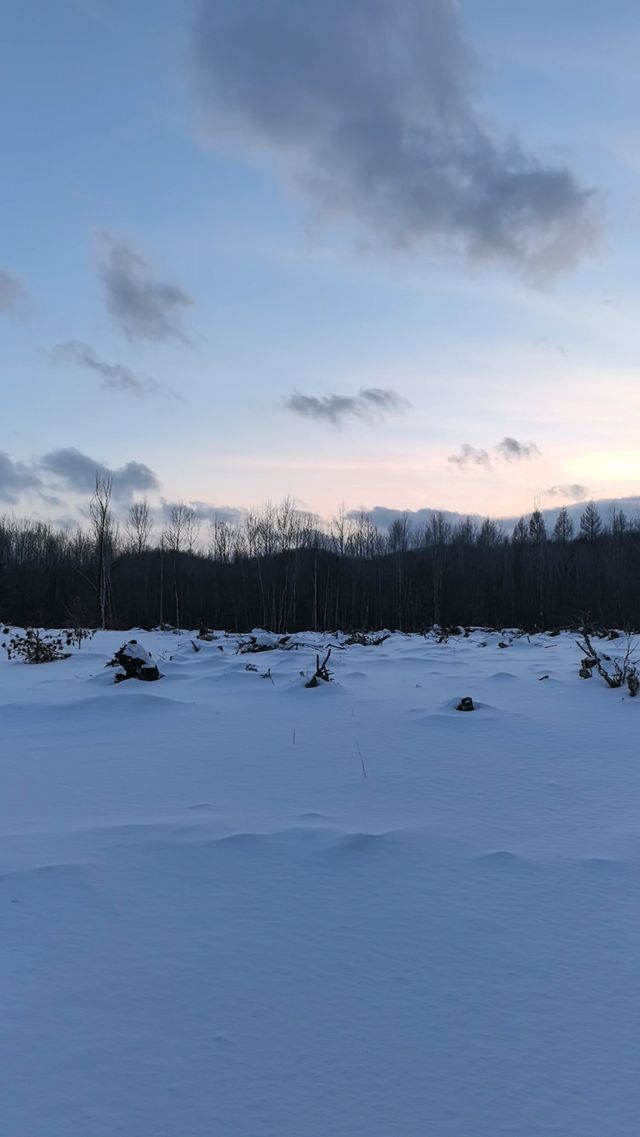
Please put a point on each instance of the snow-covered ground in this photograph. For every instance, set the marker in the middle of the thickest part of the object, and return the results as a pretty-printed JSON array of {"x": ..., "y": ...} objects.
[{"x": 215, "y": 925}]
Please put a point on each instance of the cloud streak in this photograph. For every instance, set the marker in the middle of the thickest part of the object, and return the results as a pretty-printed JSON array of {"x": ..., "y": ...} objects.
[
  {"x": 140, "y": 306},
  {"x": 114, "y": 376},
  {"x": 371, "y": 109},
  {"x": 369, "y": 404}
]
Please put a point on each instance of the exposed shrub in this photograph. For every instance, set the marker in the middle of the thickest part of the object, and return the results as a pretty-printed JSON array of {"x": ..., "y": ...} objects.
[
  {"x": 615, "y": 672},
  {"x": 78, "y": 635},
  {"x": 322, "y": 673},
  {"x": 36, "y": 646}
]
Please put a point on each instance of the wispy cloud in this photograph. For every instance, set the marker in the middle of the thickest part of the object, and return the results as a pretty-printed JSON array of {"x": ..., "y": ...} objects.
[
  {"x": 513, "y": 451},
  {"x": 142, "y": 307},
  {"x": 471, "y": 456},
  {"x": 12, "y": 291},
  {"x": 369, "y": 404},
  {"x": 372, "y": 110},
  {"x": 115, "y": 376},
  {"x": 507, "y": 450},
  {"x": 574, "y": 491}
]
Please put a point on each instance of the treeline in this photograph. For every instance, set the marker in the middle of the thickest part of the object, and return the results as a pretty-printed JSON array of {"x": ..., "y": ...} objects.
[{"x": 282, "y": 569}]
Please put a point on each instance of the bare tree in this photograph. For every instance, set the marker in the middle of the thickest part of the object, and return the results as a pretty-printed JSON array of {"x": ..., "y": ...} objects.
[
  {"x": 491, "y": 533},
  {"x": 103, "y": 532},
  {"x": 465, "y": 532},
  {"x": 182, "y": 529},
  {"x": 220, "y": 541},
  {"x": 398, "y": 537},
  {"x": 522, "y": 531},
  {"x": 139, "y": 525},
  {"x": 179, "y": 536},
  {"x": 339, "y": 528},
  {"x": 251, "y": 525},
  {"x": 267, "y": 532},
  {"x": 364, "y": 539},
  {"x": 294, "y": 577}
]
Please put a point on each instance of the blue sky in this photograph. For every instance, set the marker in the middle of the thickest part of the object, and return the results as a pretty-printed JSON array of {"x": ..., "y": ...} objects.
[{"x": 207, "y": 165}]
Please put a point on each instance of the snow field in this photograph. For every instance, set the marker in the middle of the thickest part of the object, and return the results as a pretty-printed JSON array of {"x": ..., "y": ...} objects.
[{"x": 214, "y": 923}]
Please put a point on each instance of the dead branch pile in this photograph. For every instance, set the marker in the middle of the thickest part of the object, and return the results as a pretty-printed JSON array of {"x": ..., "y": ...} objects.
[
  {"x": 617, "y": 672},
  {"x": 365, "y": 639}
]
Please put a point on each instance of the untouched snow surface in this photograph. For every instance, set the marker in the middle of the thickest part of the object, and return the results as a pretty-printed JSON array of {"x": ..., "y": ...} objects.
[{"x": 214, "y": 925}]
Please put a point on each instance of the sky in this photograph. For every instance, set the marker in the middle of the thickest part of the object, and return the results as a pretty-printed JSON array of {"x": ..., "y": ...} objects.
[{"x": 379, "y": 253}]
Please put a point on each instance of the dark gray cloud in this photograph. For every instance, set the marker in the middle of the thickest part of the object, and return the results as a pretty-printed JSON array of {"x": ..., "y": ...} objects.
[
  {"x": 508, "y": 450},
  {"x": 513, "y": 451},
  {"x": 574, "y": 491},
  {"x": 369, "y": 404},
  {"x": 471, "y": 456},
  {"x": 372, "y": 108},
  {"x": 76, "y": 472},
  {"x": 115, "y": 376},
  {"x": 141, "y": 307},
  {"x": 16, "y": 479},
  {"x": 11, "y": 291}
]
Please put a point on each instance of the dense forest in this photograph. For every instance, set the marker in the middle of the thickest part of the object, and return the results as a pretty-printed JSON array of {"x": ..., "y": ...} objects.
[{"x": 281, "y": 569}]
